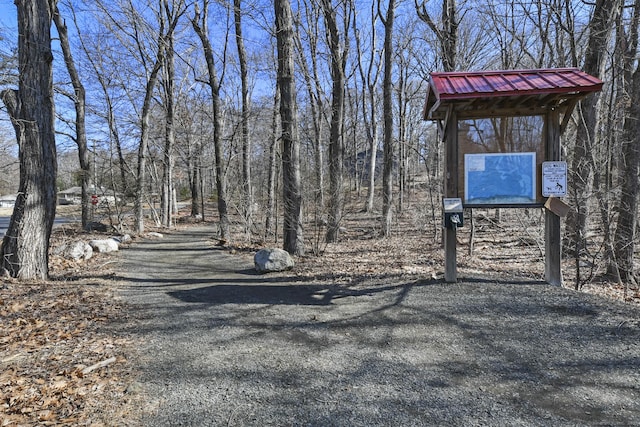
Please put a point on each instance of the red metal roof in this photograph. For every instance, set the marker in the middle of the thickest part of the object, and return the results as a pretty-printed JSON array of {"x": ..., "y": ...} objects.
[{"x": 506, "y": 88}]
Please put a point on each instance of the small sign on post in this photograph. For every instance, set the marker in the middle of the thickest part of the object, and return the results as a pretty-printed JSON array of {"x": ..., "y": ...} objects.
[
  {"x": 554, "y": 179},
  {"x": 94, "y": 199}
]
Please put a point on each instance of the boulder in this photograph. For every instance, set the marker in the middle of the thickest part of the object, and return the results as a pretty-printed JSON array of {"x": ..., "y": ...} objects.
[
  {"x": 104, "y": 245},
  {"x": 75, "y": 250},
  {"x": 272, "y": 259},
  {"x": 155, "y": 235},
  {"x": 125, "y": 238}
]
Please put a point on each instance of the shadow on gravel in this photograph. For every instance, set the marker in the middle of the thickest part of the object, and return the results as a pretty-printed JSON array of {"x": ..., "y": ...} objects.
[
  {"x": 226, "y": 346},
  {"x": 280, "y": 294},
  {"x": 502, "y": 281}
]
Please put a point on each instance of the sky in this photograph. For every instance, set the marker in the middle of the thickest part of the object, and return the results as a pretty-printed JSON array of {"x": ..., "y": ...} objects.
[
  {"x": 8, "y": 15},
  {"x": 8, "y": 28}
]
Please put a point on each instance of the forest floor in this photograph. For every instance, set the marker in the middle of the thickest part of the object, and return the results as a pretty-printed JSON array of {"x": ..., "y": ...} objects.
[{"x": 63, "y": 361}]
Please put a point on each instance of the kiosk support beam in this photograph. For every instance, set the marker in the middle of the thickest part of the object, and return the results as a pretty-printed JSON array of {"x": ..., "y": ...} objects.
[
  {"x": 451, "y": 190},
  {"x": 552, "y": 237}
]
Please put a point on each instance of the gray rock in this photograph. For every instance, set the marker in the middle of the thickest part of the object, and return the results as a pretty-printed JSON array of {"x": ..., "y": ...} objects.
[
  {"x": 125, "y": 238},
  {"x": 272, "y": 259},
  {"x": 104, "y": 245},
  {"x": 75, "y": 250}
]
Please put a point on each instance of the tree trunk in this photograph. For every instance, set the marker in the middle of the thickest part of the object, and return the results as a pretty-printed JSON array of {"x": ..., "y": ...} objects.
[
  {"x": 582, "y": 166},
  {"x": 195, "y": 179},
  {"x": 387, "y": 106},
  {"x": 200, "y": 26},
  {"x": 170, "y": 136},
  {"x": 369, "y": 90},
  {"x": 25, "y": 245},
  {"x": 402, "y": 149},
  {"x": 271, "y": 184},
  {"x": 144, "y": 142},
  {"x": 336, "y": 148},
  {"x": 80, "y": 107},
  {"x": 292, "y": 185},
  {"x": 314, "y": 92},
  {"x": 624, "y": 240},
  {"x": 246, "y": 141},
  {"x": 447, "y": 33},
  {"x": 109, "y": 115}
]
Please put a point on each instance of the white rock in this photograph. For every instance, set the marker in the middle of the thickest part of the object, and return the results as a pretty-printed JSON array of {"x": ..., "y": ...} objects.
[
  {"x": 125, "y": 238},
  {"x": 105, "y": 245},
  {"x": 155, "y": 234},
  {"x": 272, "y": 259},
  {"x": 75, "y": 250}
]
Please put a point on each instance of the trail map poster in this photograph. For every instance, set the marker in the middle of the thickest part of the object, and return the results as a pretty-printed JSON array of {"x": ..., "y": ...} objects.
[{"x": 500, "y": 178}]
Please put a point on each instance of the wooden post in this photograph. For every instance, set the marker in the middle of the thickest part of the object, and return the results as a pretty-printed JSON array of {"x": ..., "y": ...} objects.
[
  {"x": 552, "y": 237},
  {"x": 450, "y": 190}
]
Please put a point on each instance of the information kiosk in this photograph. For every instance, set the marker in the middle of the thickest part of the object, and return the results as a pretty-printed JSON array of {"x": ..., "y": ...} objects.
[{"x": 501, "y": 131}]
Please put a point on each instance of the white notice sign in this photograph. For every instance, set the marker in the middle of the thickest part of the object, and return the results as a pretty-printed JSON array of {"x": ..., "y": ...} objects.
[{"x": 554, "y": 179}]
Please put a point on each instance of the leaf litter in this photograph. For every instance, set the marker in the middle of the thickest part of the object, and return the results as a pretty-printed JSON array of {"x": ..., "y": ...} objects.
[{"x": 51, "y": 333}]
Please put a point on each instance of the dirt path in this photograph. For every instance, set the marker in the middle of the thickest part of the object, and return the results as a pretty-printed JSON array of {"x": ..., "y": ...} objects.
[{"x": 223, "y": 346}]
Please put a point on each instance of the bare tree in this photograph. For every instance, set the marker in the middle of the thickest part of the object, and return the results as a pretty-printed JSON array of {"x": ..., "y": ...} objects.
[
  {"x": 145, "y": 128},
  {"x": 272, "y": 173},
  {"x": 338, "y": 50},
  {"x": 168, "y": 162},
  {"x": 408, "y": 91},
  {"x": 628, "y": 207},
  {"x": 625, "y": 235},
  {"x": 600, "y": 27},
  {"x": 292, "y": 183},
  {"x": 369, "y": 75},
  {"x": 307, "y": 58},
  {"x": 173, "y": 11},
  {"x": 387, "y": 107},
  {"x": 246, "y": 140},
  {"x": 9, "y": 164},
  {"x": 79, "y": 102},
  {"x": 25, "y": 247},
  {"x": 504, "y": 20},
  {"x": 107, "y": 112},
  {"x": 193, "y": 119},
  {"x": 200, "y": 26},
  {"x": 146, "y": 40},
  {"x": 446, "y": 31}
]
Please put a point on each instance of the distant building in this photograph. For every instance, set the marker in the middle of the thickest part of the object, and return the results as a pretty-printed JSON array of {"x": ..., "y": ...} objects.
[
  {"x": 70, "y": 196},
  {"x": 73, "y": 195},
  {"x": 8, "y": 201},
  {"x": 358, "y": 165}
]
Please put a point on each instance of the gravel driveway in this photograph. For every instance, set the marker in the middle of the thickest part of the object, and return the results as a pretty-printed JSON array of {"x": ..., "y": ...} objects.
[{"x": 222, "y": 346}]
